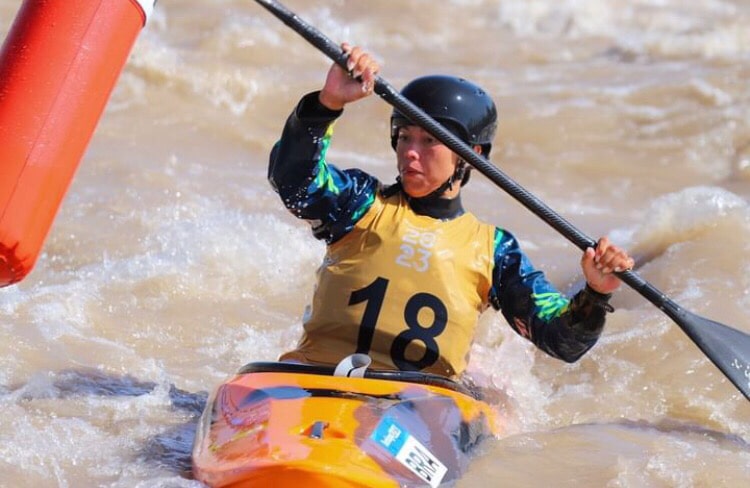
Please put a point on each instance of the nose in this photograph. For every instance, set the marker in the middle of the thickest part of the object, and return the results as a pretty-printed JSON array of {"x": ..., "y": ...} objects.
[
  {"x": 412, "y": 153},
  {"x": 411, "y": 149}
]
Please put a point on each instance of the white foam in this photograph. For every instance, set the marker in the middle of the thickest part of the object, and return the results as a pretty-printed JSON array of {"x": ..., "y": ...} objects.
[
  {"x": 504, "y": 361},
  {"x": 709, "y": 93},
  {"x": 161, "y": 482},
  {"x": 666, "y": 27},
  {"x": 214, "y": 249},
  {"x": 685, "y": 214},
  {"x": 225, "y": 85}
]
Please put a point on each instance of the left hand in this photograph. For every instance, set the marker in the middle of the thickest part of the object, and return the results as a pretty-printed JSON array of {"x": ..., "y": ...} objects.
[
  {"x": 600, "y": 264},
  {"x": 342, "y": 87}
]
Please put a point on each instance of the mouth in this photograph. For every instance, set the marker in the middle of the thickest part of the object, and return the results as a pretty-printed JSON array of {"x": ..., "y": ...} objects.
[{"x": 410, "y": 171}]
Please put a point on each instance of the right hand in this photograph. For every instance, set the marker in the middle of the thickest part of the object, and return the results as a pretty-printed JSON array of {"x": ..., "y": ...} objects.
[
  {"x": 340, "y": 88},
  {"x": 600, "y": 265}
]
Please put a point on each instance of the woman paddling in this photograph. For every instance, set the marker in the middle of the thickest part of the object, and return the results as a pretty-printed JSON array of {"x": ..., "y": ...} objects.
[{"x": 407, "y": 270}]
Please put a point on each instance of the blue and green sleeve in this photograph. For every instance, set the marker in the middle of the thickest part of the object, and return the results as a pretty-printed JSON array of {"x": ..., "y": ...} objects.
[
  {"x": 563, "y": 328},
  {"x": 330, "y": 199}
]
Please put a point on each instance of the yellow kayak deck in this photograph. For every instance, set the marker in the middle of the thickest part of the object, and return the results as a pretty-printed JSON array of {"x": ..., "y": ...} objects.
[{"x": 279, "y": 424}]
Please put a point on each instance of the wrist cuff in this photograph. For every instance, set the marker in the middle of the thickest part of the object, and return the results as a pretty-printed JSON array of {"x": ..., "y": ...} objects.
[
  {"x": 310, "y": 108},
  {"x": 598, "y": 299}
]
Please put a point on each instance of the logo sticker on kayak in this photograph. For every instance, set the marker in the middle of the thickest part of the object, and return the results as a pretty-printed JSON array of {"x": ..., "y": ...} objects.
[{"x": 409, "y": 451}]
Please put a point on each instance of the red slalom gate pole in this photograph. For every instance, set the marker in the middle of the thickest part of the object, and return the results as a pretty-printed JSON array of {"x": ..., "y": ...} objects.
[{"x": 58, "y": 67}]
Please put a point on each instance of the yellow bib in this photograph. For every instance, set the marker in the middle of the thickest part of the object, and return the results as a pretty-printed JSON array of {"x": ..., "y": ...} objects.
[{"x": 404, "y": 288}]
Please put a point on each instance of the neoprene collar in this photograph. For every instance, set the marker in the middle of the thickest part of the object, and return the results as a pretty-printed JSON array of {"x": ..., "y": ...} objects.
[
  {"x": 436, "y": 207},
  {"x": 431, "y": 205}
]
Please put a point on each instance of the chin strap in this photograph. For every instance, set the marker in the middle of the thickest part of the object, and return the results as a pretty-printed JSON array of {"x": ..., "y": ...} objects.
[{"x": 457, "y": 176}]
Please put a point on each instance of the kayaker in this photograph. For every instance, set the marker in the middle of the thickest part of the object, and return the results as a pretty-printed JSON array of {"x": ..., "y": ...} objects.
[{"x": 407, "y": 270}]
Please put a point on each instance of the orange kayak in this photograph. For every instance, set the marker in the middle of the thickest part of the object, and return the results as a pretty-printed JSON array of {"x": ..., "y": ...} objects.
[{"x": 281, "y": 424}]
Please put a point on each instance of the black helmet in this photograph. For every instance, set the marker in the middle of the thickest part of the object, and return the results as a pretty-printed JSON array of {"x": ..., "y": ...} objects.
[{"x": 461, "y": 106}]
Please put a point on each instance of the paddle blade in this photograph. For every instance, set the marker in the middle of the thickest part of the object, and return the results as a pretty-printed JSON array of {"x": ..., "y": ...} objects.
[{"x": 727, "y": 348}]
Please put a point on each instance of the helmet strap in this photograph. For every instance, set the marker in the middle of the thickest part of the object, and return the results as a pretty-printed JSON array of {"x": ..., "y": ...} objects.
[{"x": 457, "y": 176}]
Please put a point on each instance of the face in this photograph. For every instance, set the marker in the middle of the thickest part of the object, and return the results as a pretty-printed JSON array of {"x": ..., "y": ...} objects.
[{"x": 424, "y": 163}]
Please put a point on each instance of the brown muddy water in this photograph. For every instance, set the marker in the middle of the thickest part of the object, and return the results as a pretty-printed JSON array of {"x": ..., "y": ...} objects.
[{"x": 171, "y": 262}]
